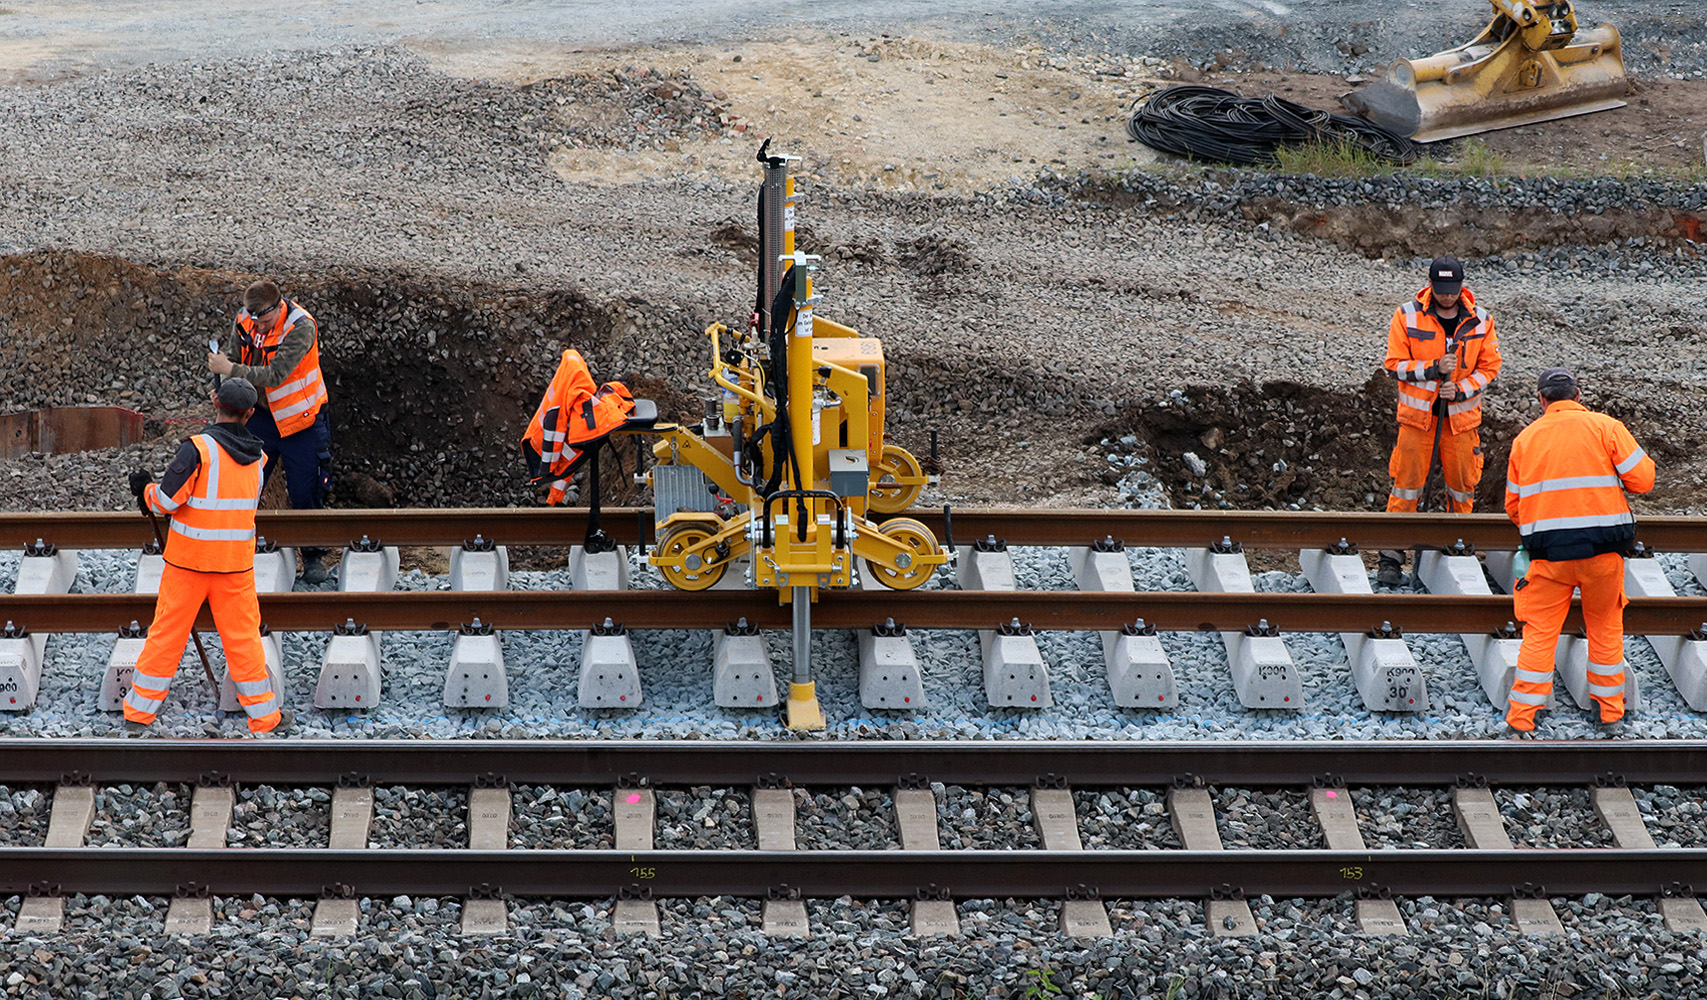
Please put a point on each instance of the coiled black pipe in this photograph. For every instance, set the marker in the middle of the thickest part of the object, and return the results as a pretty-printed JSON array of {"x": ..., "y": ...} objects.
[{"x": 1210, "y": 124}]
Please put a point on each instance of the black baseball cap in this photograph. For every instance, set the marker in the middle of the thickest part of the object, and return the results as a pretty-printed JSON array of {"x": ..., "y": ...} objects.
[
  {"x": 1446, "y": 275},
  {"x": 1556, "y": 378},
  {"x": 236, "y": 394}
]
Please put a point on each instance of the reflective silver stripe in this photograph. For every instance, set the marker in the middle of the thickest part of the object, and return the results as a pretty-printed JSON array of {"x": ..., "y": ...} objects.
[
  {"x": 1634, "y": 460},
  {"x": 1605, "y": 690},
  {"x": 165, "y": 502},
  {"x": 141, "y": 704},
  {"x": 215, "y": 534},
  {"x": 556, "y": 435},
  {"x": 1510, "y": 487},
  {"x": 1407, "y": 494},
  {"x": 1528, "y": 699},
  {"x": 261, "y": 709},
  {"x": 1566, "y": 483},
  {"x": 1415, "y": 404},
  {"x": 1480, "y": 379},
  {"x": 1587, "y": 521},
  {"x": 286, "y": 388},
  {"x": 560, "y": 484},
  {"x": 1454, "y": 494},
  {"x": 295, "y": 408},
  {"x": 296, "y": 313},
  {"x": 1535, "y": 676},
  {"x": 203, "y": 503},
  {"x": 252, "y": 688},
  {"x": 210, "y": 485},
  {"x": 1464, "y": 405}
]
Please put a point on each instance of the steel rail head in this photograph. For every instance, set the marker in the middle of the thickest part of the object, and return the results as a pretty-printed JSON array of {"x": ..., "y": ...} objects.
[
  {"x": 1038, "y": 610},
  {"x": 736, "y": 763},
  {"x": 1166, "y": 528},
  {"x": 960, "y": 874}
]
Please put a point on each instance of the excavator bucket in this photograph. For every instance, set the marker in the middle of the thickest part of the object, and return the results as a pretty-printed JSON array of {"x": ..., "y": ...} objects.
[{"x": 1531, "y": 64}]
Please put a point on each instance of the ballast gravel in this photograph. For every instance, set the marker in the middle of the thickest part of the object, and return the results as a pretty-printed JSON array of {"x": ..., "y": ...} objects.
[
  {"x": 419, "y": 818},
  {"x": 1258, "y": 820},
  {"x": 1124, "y": 819},
  {"x": 1402, "y": 818},
  {"x": 713, "y": 947},
  {"x": 704, "y": 819},
  {"x": 543, "y": 817},
  {"x": 849, "y": 819}
]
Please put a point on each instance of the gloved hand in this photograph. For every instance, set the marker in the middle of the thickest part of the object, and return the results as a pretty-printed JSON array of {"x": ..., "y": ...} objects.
[{"x": 139, "y": 481}]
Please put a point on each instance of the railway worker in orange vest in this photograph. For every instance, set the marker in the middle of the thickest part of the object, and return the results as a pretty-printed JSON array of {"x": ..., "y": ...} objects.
[
  {"x": 1564, "y": 490},
  {"x": 279, "y": 345},
  {"x": 1442, "y": 350},
  {"x": 209, "y": 491}
]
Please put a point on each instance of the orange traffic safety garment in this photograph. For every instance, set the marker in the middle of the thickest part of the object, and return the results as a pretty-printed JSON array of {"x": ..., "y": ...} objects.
[
  {"x": 237, "y": 615},
  {"x": 295, "y": 401},
  {"x": 210, "y": 558},
  {"x": 1416, "y": 342},
  {"x": 1542, "y": 600},
  {"x": 1460, "y": 464},
  {"x": 1566, "y": 479},
  {"x": 1565, "y": 486},
  {"x": 213, "y": 512},
  {"x": 573, "y": 412}
]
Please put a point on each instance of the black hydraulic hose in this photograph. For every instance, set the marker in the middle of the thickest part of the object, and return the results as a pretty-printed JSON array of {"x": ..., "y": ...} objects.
[
  {"x": 1210, "y": 124},
  {"x": 782, "y": 445}
]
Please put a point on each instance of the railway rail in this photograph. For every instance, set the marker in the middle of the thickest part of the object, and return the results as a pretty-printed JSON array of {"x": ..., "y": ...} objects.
[
  {"x": 635, "y": 872},
  {"x": 660, "y": 609},
  {"x": 630, "y": 525}
]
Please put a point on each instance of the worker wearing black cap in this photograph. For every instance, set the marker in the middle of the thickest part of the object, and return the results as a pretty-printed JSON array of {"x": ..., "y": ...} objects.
[
  {"x": 1442, "y": 350},
  {"x": 209, "y": 491}
]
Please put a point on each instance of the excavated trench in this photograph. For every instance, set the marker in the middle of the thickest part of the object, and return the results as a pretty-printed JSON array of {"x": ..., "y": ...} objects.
[{"x": 432, "y": 382}]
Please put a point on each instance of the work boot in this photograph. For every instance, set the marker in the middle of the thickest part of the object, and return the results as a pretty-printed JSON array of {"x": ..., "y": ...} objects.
[
  {"x": 287, "y": 722},
  {"x": 314, "y": 570},
  {"x": 135, "y": 728},
  {"x": 1389, "y": 572}
]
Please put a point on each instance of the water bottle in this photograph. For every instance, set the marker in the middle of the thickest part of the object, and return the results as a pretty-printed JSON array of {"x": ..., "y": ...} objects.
[{"x": 1520, "y": 564}]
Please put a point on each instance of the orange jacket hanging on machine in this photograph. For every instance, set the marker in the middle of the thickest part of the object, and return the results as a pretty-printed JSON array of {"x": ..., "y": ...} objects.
[
  {"x": 213, "y": 512},
  {"x": 572, "y": 413},
  {"x": 1566, "y": 479},
  {"x": 1416, "y": 341},
  {"x": 295, "y": 401}
]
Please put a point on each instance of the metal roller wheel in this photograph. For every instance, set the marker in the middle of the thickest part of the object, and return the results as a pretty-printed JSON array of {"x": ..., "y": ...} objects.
[
  {"x": 912, "y": 535},
  {"x": 679, "y": 539},
  {"x": 887, "y": 494}
]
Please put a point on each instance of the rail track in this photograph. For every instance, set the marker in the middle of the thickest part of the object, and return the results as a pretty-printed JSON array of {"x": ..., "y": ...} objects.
[
  {"x": 1330, "y": 774},
  {"x": 430, "y": 611}
]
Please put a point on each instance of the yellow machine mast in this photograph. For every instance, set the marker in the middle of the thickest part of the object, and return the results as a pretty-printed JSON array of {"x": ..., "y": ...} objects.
[{"x": 781, "y": 475}]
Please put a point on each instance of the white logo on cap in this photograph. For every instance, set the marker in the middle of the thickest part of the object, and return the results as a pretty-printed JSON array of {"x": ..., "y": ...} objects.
[{"x": 1444, "y": 274}]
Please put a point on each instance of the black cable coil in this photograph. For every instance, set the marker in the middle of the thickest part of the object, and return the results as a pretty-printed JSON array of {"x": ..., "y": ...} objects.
[{"x": 1210, "y": 124}]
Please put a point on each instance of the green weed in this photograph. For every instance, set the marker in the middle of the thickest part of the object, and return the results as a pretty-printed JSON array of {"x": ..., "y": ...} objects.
[{"x": 1333, "y": 159}]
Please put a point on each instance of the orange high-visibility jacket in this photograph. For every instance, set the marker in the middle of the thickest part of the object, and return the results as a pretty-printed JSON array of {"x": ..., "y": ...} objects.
[
  {"x": 1415, "y": 341},
  {"x": 1566, "y": 479},
  {"x": 573, "y": 412},
  {"x": 213, "y": 512},
  {"x": 295, "y": 401}
]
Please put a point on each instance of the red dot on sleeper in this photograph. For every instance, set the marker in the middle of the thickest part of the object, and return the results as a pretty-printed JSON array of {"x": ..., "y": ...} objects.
[
  {"x": 1333, "y": 795},
  {"x": 633, "y": 797}
]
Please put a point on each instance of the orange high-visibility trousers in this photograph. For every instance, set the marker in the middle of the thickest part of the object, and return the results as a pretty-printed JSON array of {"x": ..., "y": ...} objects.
[
  {"x": 237, "y": 615},
  {"x": 1542, "y": 600},
  {"x": 1460, "y": 461}
]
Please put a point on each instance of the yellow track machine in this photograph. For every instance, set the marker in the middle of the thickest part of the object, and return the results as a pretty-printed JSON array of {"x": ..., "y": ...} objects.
[
  {"x": 1532, "y": 63},
  {"x": 790, "y": 461}
]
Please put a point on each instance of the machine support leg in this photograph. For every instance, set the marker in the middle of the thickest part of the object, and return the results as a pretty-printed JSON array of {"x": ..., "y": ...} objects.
[{"x": 803, "y": 709}]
